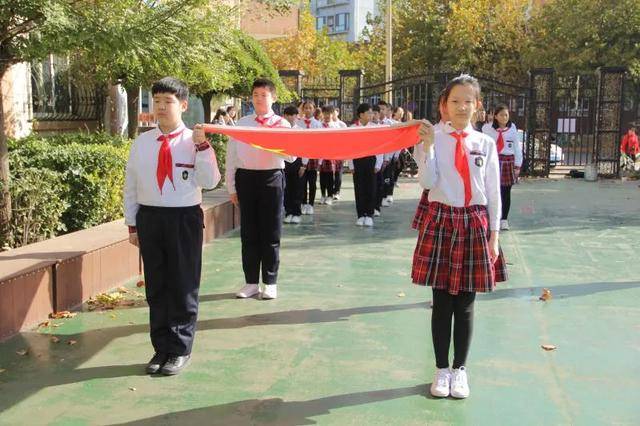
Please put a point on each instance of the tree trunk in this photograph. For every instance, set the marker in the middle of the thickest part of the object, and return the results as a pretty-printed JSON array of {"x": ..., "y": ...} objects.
[
  {"x": 5, "y": 195},
  {"x": 115, "y": 110},
  {"x": 206, "y": 104},
  {"x": 133, "y": 97}
]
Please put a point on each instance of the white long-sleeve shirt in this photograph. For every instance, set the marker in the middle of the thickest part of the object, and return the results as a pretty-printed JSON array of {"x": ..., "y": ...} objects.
[
  {"x": 379, "y": 157},
  {"x": 192, "y": 171},
  {"x": 437, "y": 172},
  {"x": 243, "y": 156},
  {"x": 511, "y": 141}
]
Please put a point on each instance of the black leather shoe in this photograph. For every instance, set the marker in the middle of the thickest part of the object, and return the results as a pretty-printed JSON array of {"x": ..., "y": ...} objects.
[
  {"x": 175, "y": 364},
  {"x": 156, "y": 363}
]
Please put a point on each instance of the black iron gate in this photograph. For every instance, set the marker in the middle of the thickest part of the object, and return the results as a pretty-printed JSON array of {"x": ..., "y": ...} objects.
[{"x": 567, "y": 120}]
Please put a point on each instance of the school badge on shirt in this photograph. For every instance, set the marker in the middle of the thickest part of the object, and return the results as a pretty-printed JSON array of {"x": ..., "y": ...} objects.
[
  {"x": 479, "y": 161},
  {"x": 185, "y": 175}
]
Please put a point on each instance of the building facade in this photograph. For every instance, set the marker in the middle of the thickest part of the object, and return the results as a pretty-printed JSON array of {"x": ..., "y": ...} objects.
[{"x": 343, "y": 19}]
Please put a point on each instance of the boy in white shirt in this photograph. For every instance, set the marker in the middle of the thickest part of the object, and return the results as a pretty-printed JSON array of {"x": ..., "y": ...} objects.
[{"x": 166, "y": 171}]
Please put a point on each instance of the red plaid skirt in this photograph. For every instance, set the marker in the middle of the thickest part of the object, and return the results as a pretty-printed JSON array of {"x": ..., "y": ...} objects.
[
  {"x": 327, "y": 166},
  {"x": 507, "y": 170},
  {"x": 421, "y": 211},
  {"x": 312, "y": 165},
  {"x": 452, "y": 252}
]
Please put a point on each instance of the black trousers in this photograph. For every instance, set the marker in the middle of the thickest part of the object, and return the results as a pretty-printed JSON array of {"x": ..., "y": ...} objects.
[
  {"x": 310, "y": 181},
  {"x": 388, "y": 176},
  {"x": 446, "y": 307},
  {"x": 505, "y": 195},
  {"x": 364, "y": 185},
  {"x": 293, "y": 188},
  {"x": 337, "y": 180},
  {"x": 171, "y": 247},
  {"x": 261, "y": 197},
  {"x": 379, "y": 189},
  {"x": 326, "y": 184}
]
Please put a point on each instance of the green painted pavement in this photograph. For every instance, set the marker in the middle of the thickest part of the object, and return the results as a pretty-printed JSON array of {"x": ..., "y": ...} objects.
[{"x": 348, "y": 341}]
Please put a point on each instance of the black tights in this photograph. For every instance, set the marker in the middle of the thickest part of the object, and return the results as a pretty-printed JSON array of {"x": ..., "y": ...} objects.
[
  {"x": 446, "y": 306},
  {"x": 505, "y": 195}
]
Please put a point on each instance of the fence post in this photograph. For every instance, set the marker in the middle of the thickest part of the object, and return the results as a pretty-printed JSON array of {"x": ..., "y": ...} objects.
[
  {"x": 351, "y": 83},
  {"x": 608, "y": 129},
  {"x": 540, "y": 129}
]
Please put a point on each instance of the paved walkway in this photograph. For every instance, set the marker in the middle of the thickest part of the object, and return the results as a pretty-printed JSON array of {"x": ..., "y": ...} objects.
[{"x": 348, "y": 342}]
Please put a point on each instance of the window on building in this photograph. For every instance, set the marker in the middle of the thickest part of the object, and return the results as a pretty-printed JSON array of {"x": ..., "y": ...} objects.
[
  {"x": 342, "y": 22},
  {"x": 321, "y": 22},
  {"x": 330, "y": 24}
]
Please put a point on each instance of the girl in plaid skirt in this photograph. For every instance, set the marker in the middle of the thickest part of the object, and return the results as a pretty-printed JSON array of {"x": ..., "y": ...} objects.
[
  {"x": 457, "y": 252},
  {"x": 505, "y": 133}
]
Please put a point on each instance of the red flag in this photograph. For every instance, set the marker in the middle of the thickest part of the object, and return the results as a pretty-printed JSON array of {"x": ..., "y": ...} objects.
[{"x": 329, "y": 144}]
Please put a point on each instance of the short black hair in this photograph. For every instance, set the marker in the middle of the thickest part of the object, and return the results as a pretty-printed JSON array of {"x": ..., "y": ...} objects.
[
  {"x": 330, "y": 109},
  {"x": 171, "y": 85},
  {"x": 290, "y": 110},
  {"x": 230, "y": 107},
  {"x": 375, "y": 108},
  {"x": 383, "y": 103},
  {"x": 265, "y": 83},
  {"x": 362, "y": 108}
]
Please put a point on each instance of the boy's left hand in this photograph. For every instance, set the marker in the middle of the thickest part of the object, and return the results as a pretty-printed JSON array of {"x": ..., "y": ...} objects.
[{"x": 198, "y": 134}]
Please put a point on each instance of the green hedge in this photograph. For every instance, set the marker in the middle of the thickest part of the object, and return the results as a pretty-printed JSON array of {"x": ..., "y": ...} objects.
[
  {"x": 65, "y": 183},
  {"x": 69, "y": 182}
]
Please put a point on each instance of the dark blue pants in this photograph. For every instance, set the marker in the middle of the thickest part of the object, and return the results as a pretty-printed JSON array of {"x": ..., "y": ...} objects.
[{"x": 171, "y": 247}]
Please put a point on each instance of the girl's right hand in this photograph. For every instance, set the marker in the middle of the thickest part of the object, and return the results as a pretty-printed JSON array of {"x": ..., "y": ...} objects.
[{"x": 427, "y": 134}]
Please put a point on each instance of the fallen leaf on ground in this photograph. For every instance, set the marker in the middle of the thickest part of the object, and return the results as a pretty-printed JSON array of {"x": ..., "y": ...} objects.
[
  {"x": 62, "y": 314},
  {"x": 123, "y": 290},
  {"x": 549, "y": 347},
  {"x": 55, "y": 339},
  {"x": 140, "y": 284},
  {"x": 113, "y": 316},
  {"x": 132, "y": 389},
  {"x": 2, "y": 370},
  {"x": 546, "y": 295},
  {"x": 55, "y": 325},
  {"x": 71, "y": 342},
  {"x": 401, "y": 294},
  {"x": 45, "y": 324},
  {"x": 22, "y": 352}
]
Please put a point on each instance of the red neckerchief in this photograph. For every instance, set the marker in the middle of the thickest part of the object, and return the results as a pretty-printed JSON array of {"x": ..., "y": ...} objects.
[
  {"x": 500, "y": 141},
  {"x": 462, "y": 165},
  {"x": 165, "y": 160}
]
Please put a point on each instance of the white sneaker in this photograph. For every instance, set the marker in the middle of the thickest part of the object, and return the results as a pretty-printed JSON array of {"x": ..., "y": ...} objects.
[
  {"x": 310, "y": 209},
  {"x": 385, "y": 203},
  {"x": 270, "y": 292},
  {"x": 336, "y": 197},
  {"x": 459, "y": 383},
  {"x": 441, "y": 385},
  {"x": 368, "y": 221},
  {"x": 360, "y": 221},
  {"x": 304, "y": 209},
  {"x": 288, "y": 219},
  {"x": 504, "y": 225},
  {"x": 249, "y": 290},
  {"x": 323, "y": 200},
  {"x": 328, "y": 201},
  {"x": 376, "y": 213},
  {"x": 390, "y": 199},
  {"x": 296, "y": 219},
  {"x": 397, "y": 185}
]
